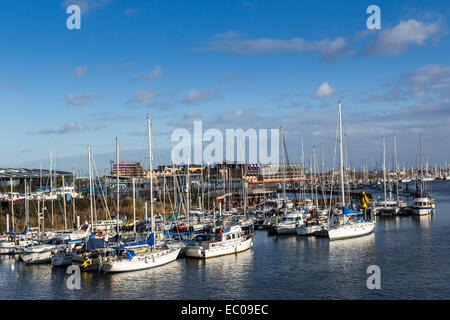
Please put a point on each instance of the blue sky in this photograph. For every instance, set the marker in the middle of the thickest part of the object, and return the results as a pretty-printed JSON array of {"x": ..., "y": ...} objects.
[{"x": 231, "y": 64}]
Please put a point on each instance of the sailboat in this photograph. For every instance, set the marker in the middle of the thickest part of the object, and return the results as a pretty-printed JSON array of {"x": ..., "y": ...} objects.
[
  {"x": 349, "y": 223},
  {"x": 41, "y": 253},
  {"x": 386, "y": 206},
  {"x": 11, "y": 242},
  {"x": 137, "y": 256},
  {"x": 423, "y": 204}
]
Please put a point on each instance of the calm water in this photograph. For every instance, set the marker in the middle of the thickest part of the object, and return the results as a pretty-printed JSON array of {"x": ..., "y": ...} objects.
[{"x": 412, "y": 252}]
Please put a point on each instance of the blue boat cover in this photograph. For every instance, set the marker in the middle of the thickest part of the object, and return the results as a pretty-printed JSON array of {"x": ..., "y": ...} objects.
[
  {"x": 150, "y": 241},
  {"x": 16, "y": 234},
  {"x": 93, "y": 244},
  {"x": 348, "y": 211},
  {"x": 129, "y": 254}
]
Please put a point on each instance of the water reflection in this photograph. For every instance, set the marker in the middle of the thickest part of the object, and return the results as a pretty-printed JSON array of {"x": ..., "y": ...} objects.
[
  {"x": 351, "y": 245},
  {"x": 423, "y": 221}
]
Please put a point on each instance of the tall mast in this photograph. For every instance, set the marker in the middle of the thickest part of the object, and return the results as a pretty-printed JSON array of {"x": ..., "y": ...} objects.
[
  {"x": 322, "y": 178},
  {"x": 51, "y": 185},
  {"x": 118, "y": 187},
  {"x": 12, "y": 203},
  {"x": 73, "y": 198},
  {"x": 91, "y": 188},
  {"x": 27, "y": 204},
  {"x": 302, "y": 159},
  {"x": 315, "y": 177},
  {"x": 421, "y": 160},
  {"x": 64, "y": 202},
  {"x": 188, "y": 193},
  {"x": 311, "y": 176},
  {"x": 55, "y": 177},
  {"x": 39, "y": 204},
  {"x": 341, "y": 155},
  {"x": 283, "y": 167},
  {"x": 149, "y": 125},
  {"x": 396, "y": 165},
  {"x": 134, "y": 206},
  {"x": 384, "y": 170}
]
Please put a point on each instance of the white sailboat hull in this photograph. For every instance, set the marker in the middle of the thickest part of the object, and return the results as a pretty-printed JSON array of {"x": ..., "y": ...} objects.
[
  {"x": 142, "y": 262},
  {"x": 219, "y": 249},
  {"x": 351, "y": 230},
  {"x": 36, "y": 257},
  {"x": 9, "y": 247},
  {"x": 38, "y": 254}
]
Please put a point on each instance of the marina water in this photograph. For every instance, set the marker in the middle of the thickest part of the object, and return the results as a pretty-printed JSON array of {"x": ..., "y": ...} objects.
[{"x": 413, "y": 254}]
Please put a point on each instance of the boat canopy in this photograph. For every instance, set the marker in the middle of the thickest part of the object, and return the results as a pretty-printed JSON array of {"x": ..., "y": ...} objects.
[
  {"x": 348, "y": 211},
  {"x": 150, "y": 241},
  {"x": 16, "y": 234},
  {"x": 129, "y": 254},
  {"x": 94, "y": 243}
]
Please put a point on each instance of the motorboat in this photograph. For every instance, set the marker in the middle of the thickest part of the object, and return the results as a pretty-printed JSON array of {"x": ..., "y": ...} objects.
[{"x": 223, "y": 241}]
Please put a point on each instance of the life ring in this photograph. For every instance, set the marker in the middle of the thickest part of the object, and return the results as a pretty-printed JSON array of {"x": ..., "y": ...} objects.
[{"x": 222, "y": 231}]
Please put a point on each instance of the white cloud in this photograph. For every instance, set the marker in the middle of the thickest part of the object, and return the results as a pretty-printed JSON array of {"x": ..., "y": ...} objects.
[
  {"x": 72, "y": 126},
  {"x": 230, "y": 75},
  {"x": 250, "y": 4},
  {"x": 191, "y": 115},
  {"x": 83, "y": 99},
  {"x": 428, "y": 80},
  {"x": 99, "y": 127},
  {"x": 407, "y": 33},
  {"x": 327, "y": 49},
  {"x": 194, "y": 96},
  {"x": 66, "y": 128},
  {"x": 80, "y": 71},
  {"x": 143, "y": 96},
  {"x": 131, "y": 11},
  {"x": 324, "y": 90},
  {"x": 153, "y": 74}
]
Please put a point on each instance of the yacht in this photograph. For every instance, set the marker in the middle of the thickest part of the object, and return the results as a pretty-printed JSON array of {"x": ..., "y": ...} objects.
[
  {"x": 225, "y": 241},
  {"x": 38, "y": 254},
  {"x": 386, "y": 207},
  {"x": 14, "y": 243},
  {"x": 423, "y": 204},
  {"x": 134, "y": 259},
  {"x": 289, "y": 223},
  {"x": 350, "y": 225},
  {"x": 312, "y": 227}
]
